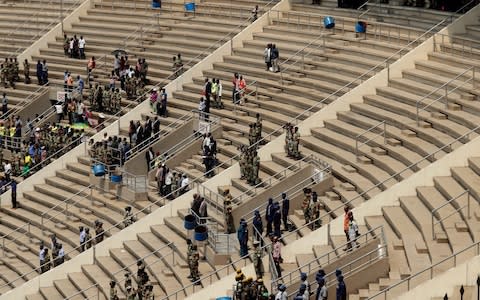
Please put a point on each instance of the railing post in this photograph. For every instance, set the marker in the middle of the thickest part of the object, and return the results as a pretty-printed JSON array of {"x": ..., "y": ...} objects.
[
  {"x": 446, "y": 96},
  {"x": 433, "y": 227},
  {"x": 384, "y": 132},
  {"x": 468, "y": 204},
  {"x": 473, "y": 78}
]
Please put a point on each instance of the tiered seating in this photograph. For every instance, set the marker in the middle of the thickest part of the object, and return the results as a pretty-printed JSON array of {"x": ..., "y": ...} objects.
[
  {"x": 144, "y": 34},
  {"x": 294, "y": 87},
  {"x": 409, "y": 226},
  {"x": 401, "y": 15},
  {"x": 21, "y": 24}
]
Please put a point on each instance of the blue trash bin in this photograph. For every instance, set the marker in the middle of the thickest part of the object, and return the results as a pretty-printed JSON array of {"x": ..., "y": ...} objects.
[
  {"x": 329, "y": 22},
  {"x": 360, "y": 27},
  {"x": 189, "y": 222},
  {"x": 201, "y": 233},
  {"x": 98, "y": 170},
  {"x": 190, "y": 6},
  {"x": 156, "y": 4},
  {"x": 224, "y": 298},
  {"x": 116, "y": 179}
]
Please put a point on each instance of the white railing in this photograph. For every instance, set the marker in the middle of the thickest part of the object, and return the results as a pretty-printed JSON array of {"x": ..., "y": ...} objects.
[
  {"x": 434, "y": 212},
  {"x": 447, "y": 92}
]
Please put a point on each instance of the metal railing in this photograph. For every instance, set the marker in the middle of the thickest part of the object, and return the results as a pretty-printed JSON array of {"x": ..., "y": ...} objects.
[
  {"x": 41, "y": 29},
  {"x": 37, "y": 93},
  {"x": 21, "y": 230},
  {"x": 216, "y": 200},
  {"x": 191, "y": 62},
  {"x": 468, "y": 48},
  {"x": 327, "y": 258},
  {"x": 448, "y": 262},
  {"x": 161, "y": 258},
  {"x": 136, "y": 183},
  {"x": 340, "y": 208},
  {"x": 163, "y": 132},
  {"x": 352, "y": 267},
  {"x": 447, "y": 92},
  {"x": 434, "y": 212},
  {"x": 291, "y": 192},
  {"x": 383, "y": 133},
  {"x": 65, "y": 211},
  {"x": 213, "y": 122}
]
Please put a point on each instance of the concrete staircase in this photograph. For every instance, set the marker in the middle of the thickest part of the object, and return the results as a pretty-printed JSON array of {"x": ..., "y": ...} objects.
[
  {"x": 143, "y": 36},
  {"x": 413, "y": 17},
  {"x": 412, "y": 245}
]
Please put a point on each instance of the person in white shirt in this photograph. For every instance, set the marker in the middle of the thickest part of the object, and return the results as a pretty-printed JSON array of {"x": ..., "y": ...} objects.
[
  {"x": 83, "y": 235},
  {"x": 7, "y": 167},
  {"x": 184, "y": 184},
  {"x": 59, "y": 111},
  {"x": 322, "y": 293},
  {"x": 81, "y": 47},
  {"x": 61, "y": 254},
  {"x": 282, "y": 293},
  {"x": 168, "y": 183}
]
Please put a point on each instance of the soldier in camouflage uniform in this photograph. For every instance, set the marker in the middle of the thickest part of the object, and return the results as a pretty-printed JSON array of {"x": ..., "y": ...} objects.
[
  {"x": 4, "y": 75},
  {"x": 128, "y": 218},
  {"x": 106, "y": 99},
  {"x": 257, "y": 259},
  {"x": 239, "y": 286},
  {"x": 258, "y": 127},
  {"x": 288, "y": 138},
  {"x": 113, "y": 290},
  {"x": 315, "y": 211},
  {"x": 295, "y": 143},
  {"x": 251, "y": 133},
  {"x": 306, "y": 205},
  {"x": 243, "y": 162},
  {"x": 193, "y": 264},
  {"x": 254, "y": 180},
  {"x": 118, "y": 100},
  {"x": 16, "y": 69},
  {"x": 11, "y": 77},
  {"x": 248, "y": 165},
  {"x": 26, "y": 72},
  {"x": 93, "y": 96}
]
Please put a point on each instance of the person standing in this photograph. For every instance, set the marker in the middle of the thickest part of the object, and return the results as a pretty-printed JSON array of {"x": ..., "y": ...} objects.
[
  {"x": 113, "y": 290},
  {"x": 277, "y": 255},
  {"x": 322, "y": 292},
  {"x": 267, "y": 55},
  {"x": 149, "y": 156},
  {"x": 277, "y": 220},
  {"x": 346, "y": 224},
  {"x": 47, "y": 262},
  {"x": 39, "y": 72},
  {"x": 61, "y": 255},
  {"x": 275, "y": 55},
  {"x": 285, "y": 211},
  {"x": 13, "y": 187},
  {"x": 258, "y": 226},
  {"x": 82, "y": 238},
  {"x": 352, "y": 232},
  {"x": 203, "y": 210},
  {"x": 195, "y": 257},
  {"x": 26, "y": 72},
  {"x": 257, "y": 259},
  {"x": 242, "y": 235},
  {"x": 341, "y": 289},
  {"x": 269, "y": 212},
  {"x": 81, "y": 47},
  {"x": 282, "y": 293},
  {"x": 44, "y": 72}
]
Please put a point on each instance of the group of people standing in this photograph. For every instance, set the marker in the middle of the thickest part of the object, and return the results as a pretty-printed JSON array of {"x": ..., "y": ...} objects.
[
  {"x": 292, "y": 141},
  {"x": 271, "y": 55},
  {"x": 9, "y": 72},
  {"x": 74, "y": 47},
  {"x": 56, "y": 258},
  {"x": 144, "y": 290}
]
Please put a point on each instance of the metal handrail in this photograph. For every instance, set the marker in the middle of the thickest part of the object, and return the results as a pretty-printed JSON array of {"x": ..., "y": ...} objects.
[
  {"x": 174, "y": 74},
  {"x": 30, "y": 98},
  {"x": 44, "y": 29},
  {"x": 291, "y": 192},
  {"x": 3, "y": 237},
  {"x": 445, "y": 85},
  {"x": 456, "y": 210},
  {"x": 63, "y": 202},
  {"x": 170, "y": 245},
  {"x": 384, "y": 133},
  {"x": 426, "y": 157},
  {"x": 333, "y": 252},
  {"x": 52, "y": 156},
  {"x": 213, "y": 121},
  {"x": 218, "y": 205},
  {"x": 296, "y": 119},
  {"x": 139, "y": 186},
  {"x": 427, "y": 269},
  {"x": 146, "y": 143},
  {"x": 347, "y": 269}
]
